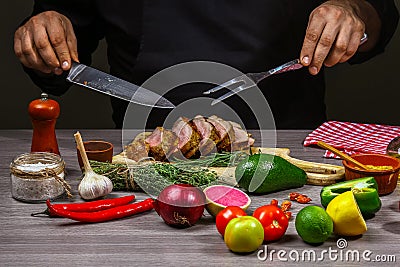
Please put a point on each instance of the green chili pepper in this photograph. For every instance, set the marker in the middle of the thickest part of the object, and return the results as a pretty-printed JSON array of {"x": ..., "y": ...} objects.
[{"x": 365, "y": 192}]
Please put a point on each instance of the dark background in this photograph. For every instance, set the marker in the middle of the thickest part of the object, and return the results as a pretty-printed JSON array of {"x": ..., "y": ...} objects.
[{"x": 366, "y": 93}]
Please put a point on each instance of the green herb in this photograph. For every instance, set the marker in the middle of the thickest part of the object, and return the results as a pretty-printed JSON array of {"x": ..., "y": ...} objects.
[
  {"x": 156, "y": 176},
  {"x": 118, "y": 174},
  {"x": 152, "y": 177},
  {"x": 224, "y": 159}
]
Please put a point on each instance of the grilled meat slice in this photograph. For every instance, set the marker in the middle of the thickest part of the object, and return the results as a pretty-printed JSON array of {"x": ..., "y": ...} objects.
[
  {"x": 251, "y": 140},
  {"x": 189, "y": 138},
  {"x": 137, "y": 150},
  {"x": 208, "y": 134},
  {"x": 225, "y": 132},
  {"x": 162, "y": 143},
  {"x": 242, "y": 141}
]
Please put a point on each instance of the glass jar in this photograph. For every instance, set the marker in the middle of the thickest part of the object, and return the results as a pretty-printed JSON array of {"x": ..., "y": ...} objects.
[{"x": 37, "y": 176}]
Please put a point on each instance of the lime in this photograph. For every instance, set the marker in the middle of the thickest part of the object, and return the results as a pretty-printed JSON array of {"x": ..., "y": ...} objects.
[
  {"x": 346, "y": 216},
  {"x": 313, "y": 224}
]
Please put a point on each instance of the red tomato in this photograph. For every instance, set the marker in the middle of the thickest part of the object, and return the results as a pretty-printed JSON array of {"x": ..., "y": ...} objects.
[
  {"x": 224, "y": 216},
  {"x": 274, "y": 221}
]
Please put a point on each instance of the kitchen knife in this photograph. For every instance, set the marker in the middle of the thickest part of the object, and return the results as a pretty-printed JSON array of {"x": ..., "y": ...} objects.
[{"x": 107, "y": 84}]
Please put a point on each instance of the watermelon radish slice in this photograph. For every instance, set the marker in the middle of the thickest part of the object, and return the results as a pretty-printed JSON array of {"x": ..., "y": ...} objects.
[{"x": 221, "y": 196}]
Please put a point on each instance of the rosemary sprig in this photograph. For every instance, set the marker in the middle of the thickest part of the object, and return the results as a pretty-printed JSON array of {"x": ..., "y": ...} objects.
[
  {"x": 223, "y": 159},
  {"x": 152, "y": 177},
  {"x": 118, "y": 173}
]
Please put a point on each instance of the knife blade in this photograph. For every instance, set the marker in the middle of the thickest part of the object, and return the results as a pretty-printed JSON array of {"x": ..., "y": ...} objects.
[{"x": 105, "y": 83}]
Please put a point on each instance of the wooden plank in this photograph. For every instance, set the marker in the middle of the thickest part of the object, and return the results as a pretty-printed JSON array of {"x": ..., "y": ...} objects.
[{"x": 145, "y": 240}]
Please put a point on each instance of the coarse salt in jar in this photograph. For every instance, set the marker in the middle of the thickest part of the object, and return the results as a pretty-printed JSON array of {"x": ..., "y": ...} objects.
[{"x": 38, "y": 176}]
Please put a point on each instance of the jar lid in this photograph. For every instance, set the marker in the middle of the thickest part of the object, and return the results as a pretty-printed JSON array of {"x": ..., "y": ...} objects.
[
  {"x": 37, "y": 163},
  {"x": 40, "y": 166}
]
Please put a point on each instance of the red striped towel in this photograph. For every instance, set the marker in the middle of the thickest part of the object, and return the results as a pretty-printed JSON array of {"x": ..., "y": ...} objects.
[{"x": 353, "y": 138}]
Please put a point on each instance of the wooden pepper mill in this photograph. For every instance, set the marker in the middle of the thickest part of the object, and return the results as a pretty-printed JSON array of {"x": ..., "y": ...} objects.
[{"x": 44, "y": 113}]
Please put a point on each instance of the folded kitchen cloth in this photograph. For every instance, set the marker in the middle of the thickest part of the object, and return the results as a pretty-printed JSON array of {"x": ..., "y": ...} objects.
[{"x": 353, "y": 138}]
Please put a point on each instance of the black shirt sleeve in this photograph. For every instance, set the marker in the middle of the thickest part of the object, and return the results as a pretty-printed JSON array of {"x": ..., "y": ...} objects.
[
  {"x": 389, "y": 16},
  {"x": 88, "y": 32}
]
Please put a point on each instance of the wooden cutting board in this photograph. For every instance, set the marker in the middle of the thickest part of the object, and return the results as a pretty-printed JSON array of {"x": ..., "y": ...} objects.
[{"x": 317, "y": 173}]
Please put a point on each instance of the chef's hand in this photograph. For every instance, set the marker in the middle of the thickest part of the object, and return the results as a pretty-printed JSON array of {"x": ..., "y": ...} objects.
[
  {"x": 46, "y": 43},
  {"x": 334, "y": 32}
]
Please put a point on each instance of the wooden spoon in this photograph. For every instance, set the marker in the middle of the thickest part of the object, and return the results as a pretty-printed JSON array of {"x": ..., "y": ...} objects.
[{"x": 341, "y": 154}]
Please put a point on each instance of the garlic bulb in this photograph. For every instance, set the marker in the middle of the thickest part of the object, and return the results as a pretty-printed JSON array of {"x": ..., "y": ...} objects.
[{"x": 93, "y": 185}]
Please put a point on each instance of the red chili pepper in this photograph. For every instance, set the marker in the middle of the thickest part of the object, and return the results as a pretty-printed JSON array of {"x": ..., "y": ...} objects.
[
  {"x": 104, "y": 215},
  {"x": 293, "y": 195},
  {"x": 286, "y": 205},
  {"x": 303, "y": 199},
  {"x": 91, "y": 206},
  {"x": 288, "y": 214},
  {"x": 300, "y": 198}
]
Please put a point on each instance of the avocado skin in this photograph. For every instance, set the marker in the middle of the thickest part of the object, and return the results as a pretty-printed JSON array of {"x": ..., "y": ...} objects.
[{"x": 265, "y": 173}]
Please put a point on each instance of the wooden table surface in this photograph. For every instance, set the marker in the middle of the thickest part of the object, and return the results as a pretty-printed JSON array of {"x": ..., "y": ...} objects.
[{"x": 145, "y": 240}]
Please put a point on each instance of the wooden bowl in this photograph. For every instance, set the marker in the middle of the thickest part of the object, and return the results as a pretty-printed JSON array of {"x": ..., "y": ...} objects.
[
  {"x": 97, "y": 150},
  {"x": 386, "y": 179}
]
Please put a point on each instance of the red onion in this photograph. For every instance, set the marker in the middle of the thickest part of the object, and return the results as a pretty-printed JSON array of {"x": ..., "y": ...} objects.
[{"x": 180, "y": 205}]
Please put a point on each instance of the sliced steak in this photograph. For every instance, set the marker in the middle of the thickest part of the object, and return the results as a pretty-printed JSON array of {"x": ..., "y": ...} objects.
[
  {"x": 251, "y": 140},
  {"x": 208, "y": 133},
  {"x": 137, "y": 150},
  {"x": 241, "y": 138},
  {"x": 225, "y": 132},
  {"x": 162, "y": 143},
  {"x": 189, "y": 138}
]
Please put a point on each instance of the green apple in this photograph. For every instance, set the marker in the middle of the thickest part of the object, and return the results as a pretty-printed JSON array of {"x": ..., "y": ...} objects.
[{"x": 244, "y": 234}]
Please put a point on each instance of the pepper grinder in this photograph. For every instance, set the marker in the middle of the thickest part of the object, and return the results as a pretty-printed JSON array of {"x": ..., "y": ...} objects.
[{"x": 44, "y": 113}]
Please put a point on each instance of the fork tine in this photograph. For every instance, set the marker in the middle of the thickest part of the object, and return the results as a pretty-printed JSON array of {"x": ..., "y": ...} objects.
[
  {"x": 234, "y": 91},
  {"x": 224, "y": 85}
]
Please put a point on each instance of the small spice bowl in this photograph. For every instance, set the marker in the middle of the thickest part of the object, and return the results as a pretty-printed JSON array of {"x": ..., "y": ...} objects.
[
  {"x": 97, "y": 150},
  {"x": 386, "y": 178}
]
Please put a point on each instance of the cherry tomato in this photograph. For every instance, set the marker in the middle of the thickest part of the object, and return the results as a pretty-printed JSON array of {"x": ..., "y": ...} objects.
[
  {"x": 274, "y": 221},
  {"x": 224, "y": 216}
]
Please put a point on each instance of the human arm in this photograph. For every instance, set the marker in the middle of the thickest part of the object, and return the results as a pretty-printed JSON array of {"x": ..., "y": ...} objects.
[
  {"x": 46, "y": 43},
  {"x": 336, "y": 27},
  {"x": 55, "y": 33}
]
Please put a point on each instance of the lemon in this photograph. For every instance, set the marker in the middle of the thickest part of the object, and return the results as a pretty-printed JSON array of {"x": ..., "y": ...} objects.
[
  {"x": 313, "y": 224},
  {"x": 346, "y": 216}
]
